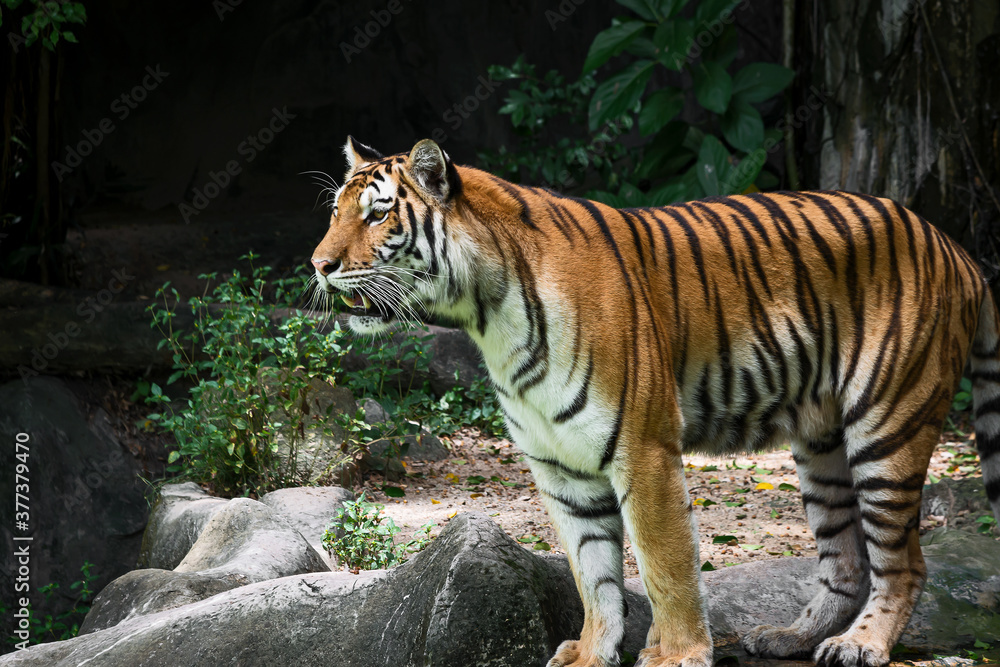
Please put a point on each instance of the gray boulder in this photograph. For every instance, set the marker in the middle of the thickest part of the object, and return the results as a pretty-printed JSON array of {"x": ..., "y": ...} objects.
[
  {"x": 85, "y": 501},
  {"x": 958, "y": 606},
  {"x": 179, "y": 515},
  {"x": 474, "y": 597},
  {"x": 424, "y": 446},
  {"x": 244, "y": 542},
  {"x": 959, "y": 502},
  {"x": 309, "y": 510}
]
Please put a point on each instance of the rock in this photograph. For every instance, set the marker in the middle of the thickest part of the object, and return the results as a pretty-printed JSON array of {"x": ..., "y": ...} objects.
[
  {"x": 178, "y": 517},
  {"x": 450, "y": 350},
  {"x": 950, "y": 496},
  {"x": 85, "y": 501},
  {"x": 474, "y": 597},
  {"x": 958, "y": 606},
  {"x": 424, "y": 446},
  {"x": 244, "y": 542},
  {"x": 309, "y": 510},
  {"x": 374, "y": 412}
]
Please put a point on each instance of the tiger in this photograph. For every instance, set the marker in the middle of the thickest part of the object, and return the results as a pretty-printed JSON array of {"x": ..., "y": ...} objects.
[{"x": 619, "y": 340}]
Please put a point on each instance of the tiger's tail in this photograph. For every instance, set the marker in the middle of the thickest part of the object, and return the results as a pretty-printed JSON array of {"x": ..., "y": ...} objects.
[{"x": 985, "y": 376}]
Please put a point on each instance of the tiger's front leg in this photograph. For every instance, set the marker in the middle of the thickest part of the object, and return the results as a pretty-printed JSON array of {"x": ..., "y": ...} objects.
[
  {"x": 649, "y": 480},
  {"x": 584, "y": 511}
]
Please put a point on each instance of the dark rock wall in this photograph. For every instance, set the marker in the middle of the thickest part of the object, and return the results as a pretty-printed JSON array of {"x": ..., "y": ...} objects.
[
  {"x": 888, "y": 127},
  {"x": 222, "y": 72}
]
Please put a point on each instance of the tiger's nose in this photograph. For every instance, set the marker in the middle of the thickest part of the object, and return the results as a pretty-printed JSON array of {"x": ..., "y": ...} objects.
[{"x": 325, "y": 266}]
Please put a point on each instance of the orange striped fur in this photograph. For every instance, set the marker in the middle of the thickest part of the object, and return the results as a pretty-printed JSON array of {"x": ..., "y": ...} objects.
[{"x": 619, "y": 340}]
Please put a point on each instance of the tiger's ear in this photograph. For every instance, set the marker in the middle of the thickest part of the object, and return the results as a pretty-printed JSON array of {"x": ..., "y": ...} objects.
[
  {"x": 432, "y": 171},
  {"x": 358, "y": 154}
]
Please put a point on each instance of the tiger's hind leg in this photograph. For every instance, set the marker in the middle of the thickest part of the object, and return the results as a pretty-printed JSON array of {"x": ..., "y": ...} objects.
[
  {"x": 832, "y": 509},
  {"x": 888, "y": 469}
]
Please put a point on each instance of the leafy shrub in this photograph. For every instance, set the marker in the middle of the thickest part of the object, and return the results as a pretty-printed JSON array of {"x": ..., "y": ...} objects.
[
  {"x": 963, "y": 397},
  {"x": 66, "y": 624},
  {"x": 367, "y": 537},
  {"x": 244, "y": 426},
  {"x": 251, "y": 423},
  {"x": 676, "y": 160}
]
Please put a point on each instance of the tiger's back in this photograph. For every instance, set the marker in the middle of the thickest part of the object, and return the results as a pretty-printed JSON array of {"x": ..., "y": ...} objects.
[{"x": 618, "y": 339}]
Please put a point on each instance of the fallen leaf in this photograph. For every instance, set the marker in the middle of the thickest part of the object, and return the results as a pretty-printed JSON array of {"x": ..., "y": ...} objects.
[
  {"x": 542, "y": 546},
  {"x": 751, "y": 547},
  {"x": 765, "y": 486},
  {"x": 452, "y": 477},
  {"x": 785, "y": 486},
  {"x": 435, "y": 502},
  {"x": 476, "y": 495},
  {"x": 453, "y": 514}
]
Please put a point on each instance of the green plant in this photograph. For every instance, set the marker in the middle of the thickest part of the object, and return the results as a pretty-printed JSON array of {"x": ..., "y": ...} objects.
[
  {"x": 677, "y": 159},
  {"x": 986, "y": 523},
  {"x": 45, "y": 19},
  {"x": 251, "y": 421},
  {"x": 540, "y": 110},
  {"x": 366, "y": 540},
  {"x": 963, "y": 398},
  {"x": 64, "y": 625}
]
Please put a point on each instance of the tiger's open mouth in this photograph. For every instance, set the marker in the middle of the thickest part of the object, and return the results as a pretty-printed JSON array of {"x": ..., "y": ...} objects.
[{"x": 363, "y": 305}]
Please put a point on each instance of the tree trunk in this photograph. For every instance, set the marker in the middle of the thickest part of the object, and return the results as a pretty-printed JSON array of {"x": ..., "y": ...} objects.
[{"x": 912, "y": 107}]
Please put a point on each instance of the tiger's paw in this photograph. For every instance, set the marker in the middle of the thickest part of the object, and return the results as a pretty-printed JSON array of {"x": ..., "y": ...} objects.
[
  {"x": 569, "y": 655},
  {"x": 767, "y": 641},
  {"x": 652, "y": 657},
  {"x": 844, "y": 651}
]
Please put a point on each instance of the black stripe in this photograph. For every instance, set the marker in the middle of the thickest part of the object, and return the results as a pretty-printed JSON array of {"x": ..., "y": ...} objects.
[
  {"x": 813, "y": 499},
  {"x": 838, "y": 591},
  {"x": 614, "y": 539},
  {"x": 570, "y": 472},
  {"x": 580, "y": 401},
  {"x": 914, "y": 482},
  {"x": 606, "y": 506},
  {"x": 827, "y": 532}
]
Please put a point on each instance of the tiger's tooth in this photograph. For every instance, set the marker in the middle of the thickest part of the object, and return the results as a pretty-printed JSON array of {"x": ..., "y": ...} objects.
[
  {"x": 364, "y": 300},
  {"x": 349, "y": 302}
]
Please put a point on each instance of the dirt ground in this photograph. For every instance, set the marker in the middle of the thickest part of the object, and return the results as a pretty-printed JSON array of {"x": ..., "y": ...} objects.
[{"x": 754, "y": 499}]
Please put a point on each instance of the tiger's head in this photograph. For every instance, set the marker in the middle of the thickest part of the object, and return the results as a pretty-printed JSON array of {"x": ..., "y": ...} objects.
[{"x": 388, "y": 235}]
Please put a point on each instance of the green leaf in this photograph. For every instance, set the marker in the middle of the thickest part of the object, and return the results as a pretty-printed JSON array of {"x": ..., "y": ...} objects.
[
  {"x": 725, "y": 539},
  {"x": 712, "y": 10},
  {"x": 713, "y": 165},
  {"x": 673, "y": 39},
  {"x": 173, "y": 456},
  {"x": 610, "y": 42},
  {"x": 393, "y": 491},
  {"x": 669, "y": 8},
  {"x": 641, "y": 7},
  {"x": 542, "y": 546},
  {"x": 712, "y": 86},
  {"x": 619, "y": 93},
  {"x": 707, "y": 566},
  {"x": 758, "y": 82},
  {"x": 239, "y": 424},
  {"x": 475, "y": 479},
  {"x": 724, "y": 47},
  {"x": 659, "y": 109},
  {"x": 69, "y": 37},
  {"x": 785, "y": 486},
  {"x": 528, "y": 539},
  {"x": 709, "y": 468},
  {"x": 752, "y": 547}
]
